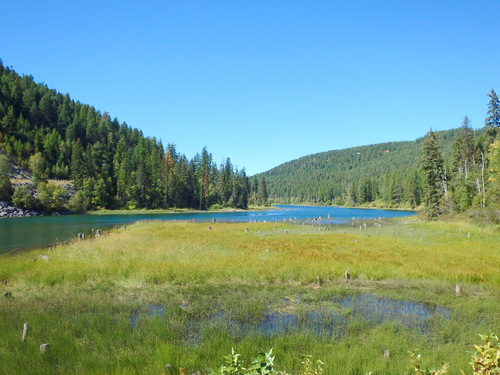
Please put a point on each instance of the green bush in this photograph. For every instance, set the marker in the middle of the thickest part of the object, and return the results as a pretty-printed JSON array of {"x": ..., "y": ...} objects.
[
  {"x": 51, "y": 196},
  {"x": 5, "y": 188},
  {"x": 78, "y": 203},
  {"x": 24, "y": 198},
  {"x": 5, "y": 185}
]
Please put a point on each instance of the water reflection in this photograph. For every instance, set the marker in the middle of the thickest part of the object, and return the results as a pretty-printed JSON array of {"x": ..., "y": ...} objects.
[{"x": 333, "y": 322}]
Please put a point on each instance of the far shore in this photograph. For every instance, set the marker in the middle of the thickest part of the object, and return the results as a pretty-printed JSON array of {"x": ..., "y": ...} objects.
[{"x": 176, "y": 211}]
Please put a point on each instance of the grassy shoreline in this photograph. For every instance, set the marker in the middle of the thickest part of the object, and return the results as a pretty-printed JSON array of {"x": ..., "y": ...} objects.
[
  {"x": 175, "y": 211},
  {"x": 180, "y": 293}
]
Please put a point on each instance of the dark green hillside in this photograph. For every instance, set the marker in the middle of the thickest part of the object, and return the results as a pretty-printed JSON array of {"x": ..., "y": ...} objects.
[
  {"x": 382, "y": 172},
  {"x": 111, "y": 164}
]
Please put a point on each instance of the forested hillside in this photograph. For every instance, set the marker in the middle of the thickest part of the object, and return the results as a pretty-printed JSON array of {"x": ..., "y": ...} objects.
[
  {"x": 319, "y": 178},
  {"x": 452, "y": 170},
  {"x": 111, "y": 164}
]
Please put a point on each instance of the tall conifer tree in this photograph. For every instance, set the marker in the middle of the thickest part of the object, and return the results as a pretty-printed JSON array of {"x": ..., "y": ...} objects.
[{"x": 433, "y": 168}]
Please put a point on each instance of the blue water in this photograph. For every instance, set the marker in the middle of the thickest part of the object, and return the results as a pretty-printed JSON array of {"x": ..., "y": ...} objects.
[
  {"x": 35, "y": 232},
  {"x": 331, "y": 323}
]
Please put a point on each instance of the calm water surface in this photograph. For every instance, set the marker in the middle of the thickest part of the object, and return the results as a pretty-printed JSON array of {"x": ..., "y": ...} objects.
[{"x": 35, "y": 232}]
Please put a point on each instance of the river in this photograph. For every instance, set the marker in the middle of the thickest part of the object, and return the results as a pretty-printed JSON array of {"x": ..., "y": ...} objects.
[{"x": 40, "y": 231}]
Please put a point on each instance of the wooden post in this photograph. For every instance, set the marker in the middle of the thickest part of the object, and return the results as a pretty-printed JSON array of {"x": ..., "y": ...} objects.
[
  {"x": 347, "y": 275},
  {"x": 25, "y": 332},
  {"x": 458, "y": 290},
  {"x": 44, "y": 347},
  {"x": 387, "y": 354},
  {"x": 318, "y": 282}
]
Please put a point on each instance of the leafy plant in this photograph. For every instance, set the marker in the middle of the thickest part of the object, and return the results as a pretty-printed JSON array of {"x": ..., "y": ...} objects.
[
  {"x": 307, "y": 365},
  {"x": 234, "y": 365},
  {"x": 486, "y": 360},
  {"x": 263, "y": 364},
  {"x": 417, "y": 367}
]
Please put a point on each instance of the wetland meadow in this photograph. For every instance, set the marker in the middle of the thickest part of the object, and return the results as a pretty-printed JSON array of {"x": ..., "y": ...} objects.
[{"x": 175, "y": 297}]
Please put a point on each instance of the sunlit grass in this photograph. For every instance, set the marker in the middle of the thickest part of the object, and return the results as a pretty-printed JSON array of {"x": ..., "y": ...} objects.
[
  {"x": 190, "y": 252},
  {"x": 81, "y": 299}
]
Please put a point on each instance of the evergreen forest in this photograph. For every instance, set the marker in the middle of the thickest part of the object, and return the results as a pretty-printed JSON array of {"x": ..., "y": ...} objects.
[
  {"x": 448, "y": 171},
  {"x": 110, "y": 164}
]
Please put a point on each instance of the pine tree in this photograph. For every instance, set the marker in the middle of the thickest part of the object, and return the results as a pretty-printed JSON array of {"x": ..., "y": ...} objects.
[
  {"x": 494, "y": 174},
  {"x": 435, "y": 178},
  {"x": 262, "y": 193},
  {"x": 38, "y": 167},
  {"x": 5, "y": 184},
  {"x": 493, "y": 119},
  {"x": 463, "y": 162},
  {"x": 226, "y": 182},
  {"x": 78, "y": 168}
]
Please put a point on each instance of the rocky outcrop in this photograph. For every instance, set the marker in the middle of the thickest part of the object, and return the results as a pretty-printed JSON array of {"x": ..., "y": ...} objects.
[
  {"x": 22, "y": 178},
  {"x": 9, "y": 210}
]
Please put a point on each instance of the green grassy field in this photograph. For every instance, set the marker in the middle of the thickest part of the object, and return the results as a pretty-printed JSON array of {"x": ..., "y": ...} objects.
[{"x": 162, "y": 293}]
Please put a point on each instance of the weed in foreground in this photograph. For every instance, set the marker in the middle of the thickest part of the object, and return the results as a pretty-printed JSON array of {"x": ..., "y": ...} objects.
[{"x": 485, "y": 361}]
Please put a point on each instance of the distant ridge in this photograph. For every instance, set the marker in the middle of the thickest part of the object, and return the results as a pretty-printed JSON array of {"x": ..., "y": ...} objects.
[{"x": 324, "y": 178}]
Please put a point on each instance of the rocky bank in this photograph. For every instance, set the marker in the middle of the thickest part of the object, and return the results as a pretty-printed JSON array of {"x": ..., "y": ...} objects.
[{"x": 7, "y": 209}]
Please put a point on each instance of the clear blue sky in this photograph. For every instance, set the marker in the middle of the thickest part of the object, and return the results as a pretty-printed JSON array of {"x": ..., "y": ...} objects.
[{"x": 264, "y": 82}]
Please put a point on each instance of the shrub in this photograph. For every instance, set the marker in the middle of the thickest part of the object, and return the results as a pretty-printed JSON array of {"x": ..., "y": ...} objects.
[
  {"x": 51, "y": 196},
  {"x": 78, "y": 203},
  {"x": 23, "y": 197}
]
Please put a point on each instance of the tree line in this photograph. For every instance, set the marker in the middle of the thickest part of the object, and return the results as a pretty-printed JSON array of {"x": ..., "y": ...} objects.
[
  {"x": 111, "y": 165},
  {"x": 448, "y": 171},
  {"x": 470, "y": 177}
]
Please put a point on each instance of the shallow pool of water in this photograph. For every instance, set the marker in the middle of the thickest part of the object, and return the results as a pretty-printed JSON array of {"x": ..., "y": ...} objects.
[{"x": 329, "y": 321}]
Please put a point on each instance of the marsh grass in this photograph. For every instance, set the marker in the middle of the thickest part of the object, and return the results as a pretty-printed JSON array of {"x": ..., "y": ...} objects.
[{"x": 180, "y": 293}]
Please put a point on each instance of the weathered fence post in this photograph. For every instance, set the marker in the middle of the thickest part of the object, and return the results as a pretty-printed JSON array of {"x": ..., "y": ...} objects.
[
  {"x": 318, "y": 282},
  {"x": 347, "y": 275},
  {"x": 387, "y": 354},
  {"x": 458, "y": 290},
  {"x": 44, "y": 347},
  {"x": 25, "y": 332}
]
